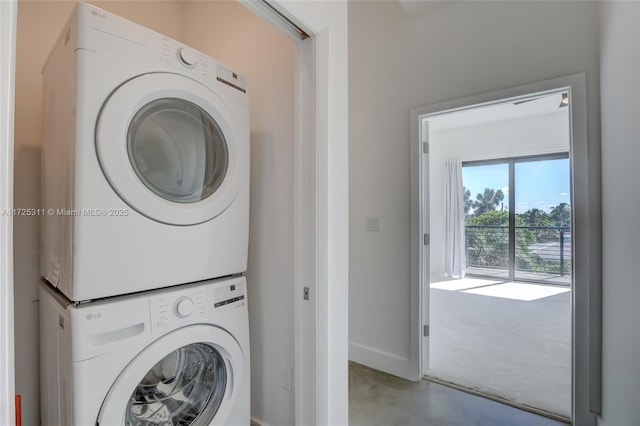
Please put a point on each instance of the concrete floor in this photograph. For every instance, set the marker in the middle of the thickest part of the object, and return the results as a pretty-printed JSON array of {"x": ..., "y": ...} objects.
[{"x": 378, "y": 399}]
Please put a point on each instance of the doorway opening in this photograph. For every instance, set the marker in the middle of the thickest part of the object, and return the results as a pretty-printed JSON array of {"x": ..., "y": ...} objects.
[{"x": 498, "y": 265}]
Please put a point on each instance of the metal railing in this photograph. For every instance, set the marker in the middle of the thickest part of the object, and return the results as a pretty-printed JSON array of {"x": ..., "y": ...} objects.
[{"x": 538, "y": 249}]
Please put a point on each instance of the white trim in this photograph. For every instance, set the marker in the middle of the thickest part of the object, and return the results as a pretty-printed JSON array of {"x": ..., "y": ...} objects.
[
  {"x": 321, "y": 383},
  {"x": 322, "y": 242},
  {"x": 379, "y": 360},
  {"x": 304, "y": 216},
  {"x": 8, "y": 11},
  {"x": 419, "y": 169},
  {"x": 585, "y": 175},
  {"x": 305, "y": 311}
]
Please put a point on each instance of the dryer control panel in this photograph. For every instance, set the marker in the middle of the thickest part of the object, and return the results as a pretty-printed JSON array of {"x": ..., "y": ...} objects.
[
  {"x": 174, "y": 54},
  {"x": 171, "y": 52}
]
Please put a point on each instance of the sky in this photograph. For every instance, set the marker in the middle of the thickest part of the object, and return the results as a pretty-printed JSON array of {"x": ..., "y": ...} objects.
[{"x": 538, "y": 184}]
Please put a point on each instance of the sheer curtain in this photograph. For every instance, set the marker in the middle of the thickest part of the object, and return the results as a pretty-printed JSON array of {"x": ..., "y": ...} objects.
[{"x": 454, "y": 241}]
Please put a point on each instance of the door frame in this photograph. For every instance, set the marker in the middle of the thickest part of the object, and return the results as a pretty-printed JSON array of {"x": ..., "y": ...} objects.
[
  {"x": 320, "y": 210},
  {"x": 8, "y": 22},
  {"x": 586, "y": 298}
]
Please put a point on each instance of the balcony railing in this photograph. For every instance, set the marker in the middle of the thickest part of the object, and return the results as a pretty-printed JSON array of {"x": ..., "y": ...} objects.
[{"x": 543, "y": 250}]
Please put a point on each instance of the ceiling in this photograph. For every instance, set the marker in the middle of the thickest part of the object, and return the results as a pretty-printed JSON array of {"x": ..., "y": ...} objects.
[{"x": 508, "y": 110}]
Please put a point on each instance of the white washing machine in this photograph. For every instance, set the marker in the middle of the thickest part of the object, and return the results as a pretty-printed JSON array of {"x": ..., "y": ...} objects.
[
  {"x": 145, "y": 162},
  {"x": 176, "y": 356}
]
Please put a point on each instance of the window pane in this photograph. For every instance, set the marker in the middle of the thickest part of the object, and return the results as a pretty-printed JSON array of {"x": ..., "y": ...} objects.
[
  {"x": 487, "y": 219},
  {"x": 543, "y": 220}
]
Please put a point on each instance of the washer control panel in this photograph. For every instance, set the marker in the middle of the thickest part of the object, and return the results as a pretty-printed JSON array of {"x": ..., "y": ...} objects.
[
  {"x": 172, "y": 307},
  {"x": 194, "y": 302},
  {"x": 227, "y": 294}
]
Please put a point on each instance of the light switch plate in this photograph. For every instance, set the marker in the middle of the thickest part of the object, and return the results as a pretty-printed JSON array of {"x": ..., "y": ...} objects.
[{"x": 373, "y": 224}]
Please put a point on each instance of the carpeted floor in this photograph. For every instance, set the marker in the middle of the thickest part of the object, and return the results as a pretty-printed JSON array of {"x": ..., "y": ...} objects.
[
  {"x": 378, "y": 399},
  {"x": 512, "y": 340}
]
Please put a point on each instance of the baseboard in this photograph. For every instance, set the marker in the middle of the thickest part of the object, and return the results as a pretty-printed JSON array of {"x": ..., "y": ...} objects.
[
  {"x": 257, "y": 422},
  {"x": 379, "y": 360}
]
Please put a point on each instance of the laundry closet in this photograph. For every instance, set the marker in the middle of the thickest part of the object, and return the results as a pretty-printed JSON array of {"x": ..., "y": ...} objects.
[{"x": 231, "y": 34}]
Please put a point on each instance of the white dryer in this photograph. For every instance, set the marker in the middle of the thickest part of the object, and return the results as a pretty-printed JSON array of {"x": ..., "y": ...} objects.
[
  {"x": 176, "y": 356},
  {"x": 145, "y": 162}
]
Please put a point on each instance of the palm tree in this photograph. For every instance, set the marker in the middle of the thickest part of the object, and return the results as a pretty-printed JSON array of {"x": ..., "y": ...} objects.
[
  {"x": 561, "y": 214},
  {"x": 467, "y": 201},
  {"x": 535, "y": 217},
  {"x": 488, "y": 201}
]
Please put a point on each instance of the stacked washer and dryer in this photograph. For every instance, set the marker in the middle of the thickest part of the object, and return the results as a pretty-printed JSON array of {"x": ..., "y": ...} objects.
[{"x": 143, "y": 308}]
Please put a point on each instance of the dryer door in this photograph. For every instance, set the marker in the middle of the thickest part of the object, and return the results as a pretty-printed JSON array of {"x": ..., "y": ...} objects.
[
  {"x": 168, "y": 148},
  {"x": 191, "y": 376}
]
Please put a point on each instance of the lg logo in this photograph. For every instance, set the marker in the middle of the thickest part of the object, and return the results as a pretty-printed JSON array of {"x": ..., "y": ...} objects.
[
  {"x": 98, "y": 14},
  {"x": 95, "y": 315}
]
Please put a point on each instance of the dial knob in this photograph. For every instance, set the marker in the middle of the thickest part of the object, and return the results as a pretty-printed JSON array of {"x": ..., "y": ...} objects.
[
  {"x": 183, "y": 307},
  {"x": 187, "y": 57}
]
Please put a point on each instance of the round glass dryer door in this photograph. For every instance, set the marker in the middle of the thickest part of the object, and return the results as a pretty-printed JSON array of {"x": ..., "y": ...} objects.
[
  {"x": 187, "y": 384},
  {"x": 191, "y": 376},
  {"x": 168, "y": 148},
  {"x": 177, "y": 150}
]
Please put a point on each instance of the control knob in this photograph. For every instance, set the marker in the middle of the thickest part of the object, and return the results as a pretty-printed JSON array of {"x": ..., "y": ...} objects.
[
  {"x": 187, "y": 57},
  {"x": 183, "y": 307}
]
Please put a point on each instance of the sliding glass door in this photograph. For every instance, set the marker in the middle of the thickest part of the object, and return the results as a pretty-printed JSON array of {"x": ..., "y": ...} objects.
[
  {"x": 518, "y": 218},
  {"x": 543, "y": 219},
  {"x": 486, "y": 206}
]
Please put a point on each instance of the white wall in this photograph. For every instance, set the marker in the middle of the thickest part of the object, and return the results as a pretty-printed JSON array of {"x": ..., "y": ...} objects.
[
  {"x": 229, "y": 32},
  {"x": 39, "y": 24},
  {"x": 540, "y": 134},
  {"x": 395, "y": 64},
  {"x": 620, "y": 92}
]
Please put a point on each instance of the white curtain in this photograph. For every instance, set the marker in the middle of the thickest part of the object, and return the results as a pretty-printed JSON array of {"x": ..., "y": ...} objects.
[{"x": 454, "y": 241}]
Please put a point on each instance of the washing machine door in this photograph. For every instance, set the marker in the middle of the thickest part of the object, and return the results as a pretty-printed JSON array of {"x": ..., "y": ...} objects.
[
  {"x": 192, "y": 376},
  {"x": 168, "y": 148}
]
